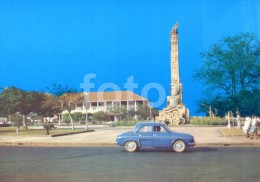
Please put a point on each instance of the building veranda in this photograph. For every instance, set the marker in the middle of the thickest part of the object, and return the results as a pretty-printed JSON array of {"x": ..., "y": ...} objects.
[{"x": 108, "y": 101}]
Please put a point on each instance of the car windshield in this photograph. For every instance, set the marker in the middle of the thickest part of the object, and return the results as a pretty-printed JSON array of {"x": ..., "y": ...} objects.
[{"x": 133, "y": 129}]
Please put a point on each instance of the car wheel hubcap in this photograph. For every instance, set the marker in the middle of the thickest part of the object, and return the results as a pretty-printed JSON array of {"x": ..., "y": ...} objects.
[
  {"x": 179, "y": 146},
  {"x": 131, "y": 146}
]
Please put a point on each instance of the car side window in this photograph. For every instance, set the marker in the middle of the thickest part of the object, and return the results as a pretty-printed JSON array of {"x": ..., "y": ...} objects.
[
  {"x": 146, "y": 129},
  {"x": 159, "y": 129}
]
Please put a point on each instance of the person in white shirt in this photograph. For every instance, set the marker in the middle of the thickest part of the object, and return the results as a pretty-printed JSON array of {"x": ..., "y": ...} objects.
[{"x": 247, "y": 125}]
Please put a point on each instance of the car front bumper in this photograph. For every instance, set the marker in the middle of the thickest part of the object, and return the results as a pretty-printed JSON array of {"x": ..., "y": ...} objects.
[{"x": 192, "y": 144}]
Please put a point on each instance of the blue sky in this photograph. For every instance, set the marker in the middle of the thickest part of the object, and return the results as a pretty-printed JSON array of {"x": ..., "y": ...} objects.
[{"x": 59, "y": 41}]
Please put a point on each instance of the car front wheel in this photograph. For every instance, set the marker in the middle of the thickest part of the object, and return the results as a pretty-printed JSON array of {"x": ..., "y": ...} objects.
[
  {"x": 179, "y": 146},
  {"x": 131, "y": 146}
]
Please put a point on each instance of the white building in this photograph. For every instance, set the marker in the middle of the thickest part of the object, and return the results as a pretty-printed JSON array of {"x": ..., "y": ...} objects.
[{"x": 103, "y": 101}]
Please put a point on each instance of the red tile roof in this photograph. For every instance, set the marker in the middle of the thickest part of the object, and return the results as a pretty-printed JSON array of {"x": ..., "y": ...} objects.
[{"x": 113, "y": 96}]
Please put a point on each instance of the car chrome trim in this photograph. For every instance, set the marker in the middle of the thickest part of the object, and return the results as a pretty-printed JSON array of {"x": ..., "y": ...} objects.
[{"x": 192, "y": 144}]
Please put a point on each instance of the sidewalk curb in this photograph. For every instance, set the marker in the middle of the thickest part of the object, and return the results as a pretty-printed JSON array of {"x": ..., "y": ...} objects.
[
  {"x": 71, "y": 133},
  {"x": 43, "y": 144}
]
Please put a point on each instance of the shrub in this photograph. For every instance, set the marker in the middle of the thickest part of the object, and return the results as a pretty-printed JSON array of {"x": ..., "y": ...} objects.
[
  {"x": 16, "y": 119},
  {"x": 55, "y": 121},
  {"x": 99, "y": 116},
  {"x": 77, "y": 116},
  {"x": 208, "y": 121},
  {"x": 66, "y": 119}
]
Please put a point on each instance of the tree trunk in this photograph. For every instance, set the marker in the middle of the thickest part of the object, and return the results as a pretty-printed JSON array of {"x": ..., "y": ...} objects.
[
  {"x": 48, "y": 127},
  {"x": 71, "y": 121},
  {"x": 24, "y": 122},
  {"x": 86, "y": 126},
  {"x": 47, "y": 130},
  {"x": 59, "y": 119}
]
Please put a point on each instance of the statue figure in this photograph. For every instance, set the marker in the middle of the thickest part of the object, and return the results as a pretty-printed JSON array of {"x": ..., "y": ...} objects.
[
  {"x": 175, "y": 112},
  {"x": 174, "y": 99}
]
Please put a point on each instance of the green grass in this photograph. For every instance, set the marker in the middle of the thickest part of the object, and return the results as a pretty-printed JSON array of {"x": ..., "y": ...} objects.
[
  {"x": 231, "y": 132},
  {"x": 10, "y": 131}
]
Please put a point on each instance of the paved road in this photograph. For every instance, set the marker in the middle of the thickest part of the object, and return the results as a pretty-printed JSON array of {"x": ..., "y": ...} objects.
[
  {"x": 114, "y": 164},
  {"x": 107, "y": 135}
]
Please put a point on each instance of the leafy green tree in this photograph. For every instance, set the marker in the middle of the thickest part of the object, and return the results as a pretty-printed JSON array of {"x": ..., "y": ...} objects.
[
  {"x": 119, "y": 112},
  {"x": 249, "y": 102},
  {"x": 14, "y": 100},
  {"x": 17, "y": 120},
  {"x": 31, "y": 103},
  {"x": 155, "y": 113},
  {"x": 58, "y": 89},
  {"x": 130, "y": 114},
  {"x": 145, "y": 112},
  {"x": 231, "y": 65},
  {"x": 230, "y": 69},
  {"x": 66, "y": 119},
  {"x": 69, "y": 102},
  {"x": 78, "y": 116},
  {"x": 99, "y": 116},
  {"x": 10, "y": 101},
  {"x": 50, "y": 106}
]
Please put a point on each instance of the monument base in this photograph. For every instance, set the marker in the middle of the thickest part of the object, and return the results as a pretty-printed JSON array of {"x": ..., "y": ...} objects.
[{"x": 175, "y": 116}]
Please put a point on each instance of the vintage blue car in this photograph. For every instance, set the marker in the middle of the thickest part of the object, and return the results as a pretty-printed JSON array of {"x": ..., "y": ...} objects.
[{"x": 153, "y": 134}]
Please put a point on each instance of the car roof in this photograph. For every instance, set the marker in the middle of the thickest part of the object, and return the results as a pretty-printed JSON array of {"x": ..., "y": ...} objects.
[{"x": 148, "y": 124}]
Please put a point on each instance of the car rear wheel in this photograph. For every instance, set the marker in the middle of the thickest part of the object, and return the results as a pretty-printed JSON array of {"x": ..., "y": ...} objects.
[
  {"x": 179, "y": 146},
  {"x": 131, "y": 146}
]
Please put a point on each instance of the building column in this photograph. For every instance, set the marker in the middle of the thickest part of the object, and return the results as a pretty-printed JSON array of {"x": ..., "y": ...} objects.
[
  {"x": 127, "y": 105},
  {"x": 97, "y": 106},
  {"x": 83, "y": 106}
]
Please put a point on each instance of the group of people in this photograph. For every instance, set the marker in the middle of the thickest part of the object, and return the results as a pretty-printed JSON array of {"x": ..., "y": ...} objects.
[{"x": 250, "y": 127}]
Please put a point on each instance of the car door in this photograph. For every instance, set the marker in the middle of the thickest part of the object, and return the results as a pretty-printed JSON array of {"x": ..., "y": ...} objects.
[
  {"x": 145, "y": 136},
  {"x": 161, "y": 137}
]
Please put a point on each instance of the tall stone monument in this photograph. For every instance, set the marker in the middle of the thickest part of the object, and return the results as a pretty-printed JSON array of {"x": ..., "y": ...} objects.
[{"x": 175, "y": 112}]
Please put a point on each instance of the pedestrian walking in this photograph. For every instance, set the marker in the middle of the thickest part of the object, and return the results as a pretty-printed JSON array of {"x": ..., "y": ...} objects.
[
  {"x": 253, "y": 128},
  {"x": 247, "y": 125}
]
